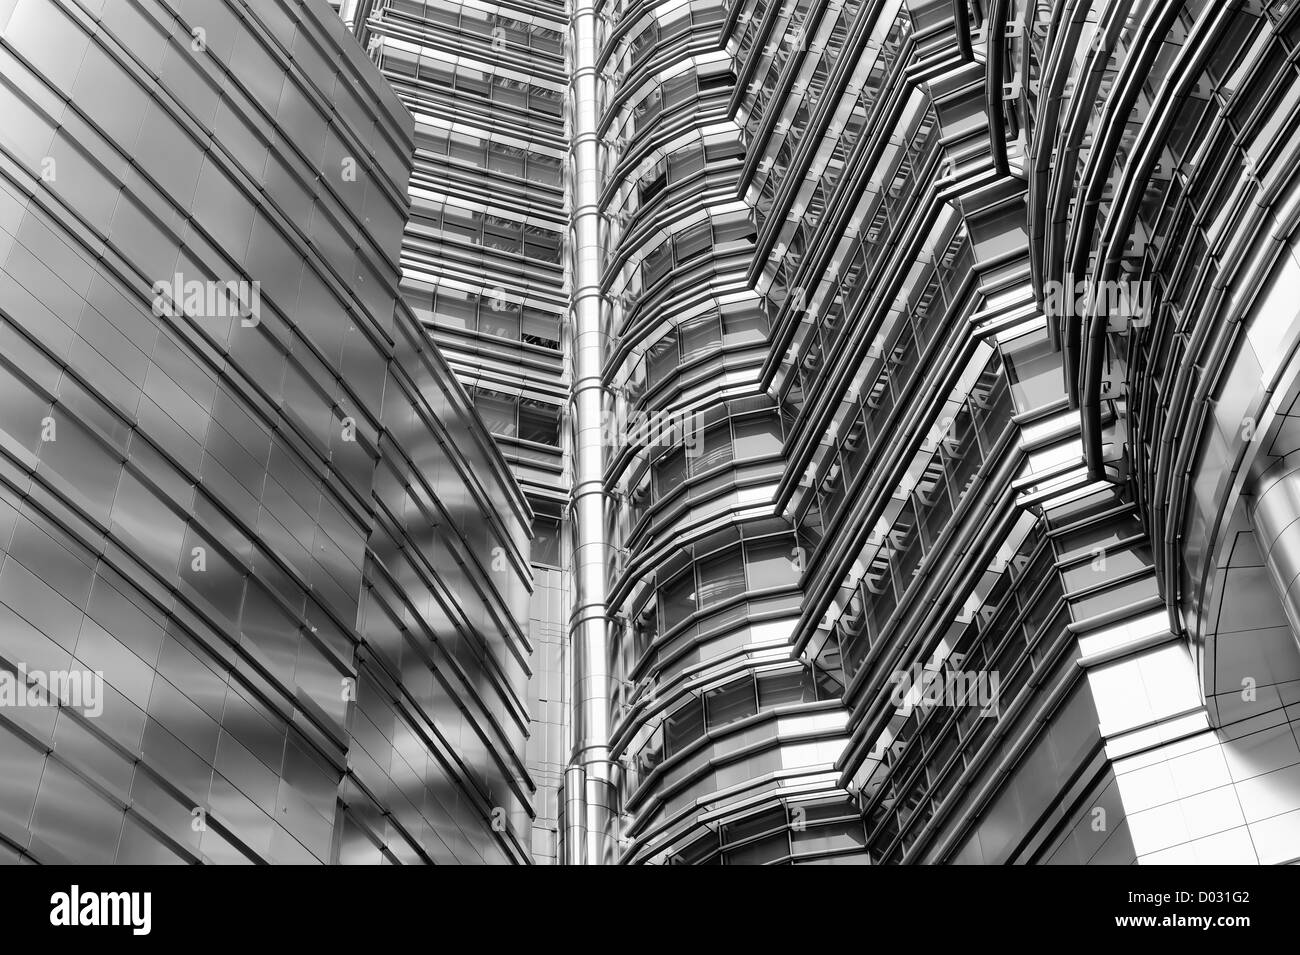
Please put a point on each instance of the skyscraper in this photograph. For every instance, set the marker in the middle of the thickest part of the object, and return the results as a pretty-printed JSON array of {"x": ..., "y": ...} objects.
[
  {"x": 264, "y": 579},
  {"x": 1028, "y": 184},
  {"x": 868, "y": 536},
  {"x": 482, "y": 270},
  {"x": 899, "y": 397},
  {"x": 1162, "y": 169}
]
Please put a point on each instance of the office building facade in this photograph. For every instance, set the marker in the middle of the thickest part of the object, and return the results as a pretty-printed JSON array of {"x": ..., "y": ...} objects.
[
  {"x": 903, "y": 517},
  {"x": 741, "y": 432},
  {"x": 482, "y": 269},
  {"x": 821, "y": 352},
  {"x": 1003, "y": 600},
  {"x": 264, "y": 586},
  {"x": 1046, "y": 459},
  {"x": 1162, "y": 169}
]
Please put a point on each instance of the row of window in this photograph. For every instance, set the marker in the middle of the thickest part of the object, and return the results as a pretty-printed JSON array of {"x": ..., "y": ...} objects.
[
  {"x": 1031, "y": 378},
  {"x": 720, "y": 572},
  {"x": 498, "y": 233},
  {"x": 484, "y": 152},
  {"x": 713, "y": 709},
  {"x": 672, "y": 170},
  {"x": 488, "y": 26},
  {"x": 1020, "y": 616},
  {"x": 930, "y": 292},
  {"x": 489, "y": 314},
  {"x": 734, "y": 764},
  {"x": 731, "y": 326},
  {"x": 963, "y": 436},
  {"x": 707, "y": 445},
  {"x": 883, "y": 216},
  {"x": 718, "y": 236},
  {"x": 907, "y": 331},
  {"x": 675, "y": 96},
  {"x": 928, "y": 769},
  {"x": 523, "y": 418},
  {"x": 711, "y": 637},
  {"x": 781, "y": 835},
  {"x": 782, "y": 46},
  {"x": 712, "y": 580},
  {"x": 788, "y": 19},
  {"x": 658, "y": 32},
  {"x": 917, "y": 520},
  {"x": 454, "y": 83},
  {"x": 876, "y": 71}
]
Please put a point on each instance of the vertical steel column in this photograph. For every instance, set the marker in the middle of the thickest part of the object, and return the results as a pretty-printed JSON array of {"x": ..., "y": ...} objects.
[{"x": 589, "y": 776}]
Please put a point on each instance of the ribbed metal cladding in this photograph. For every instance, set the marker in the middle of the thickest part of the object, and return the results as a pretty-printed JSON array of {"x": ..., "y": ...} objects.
[
  {"x": 1275, "y": 513},
  {"x": 269, "y": 533},
  {"x": 588, "y": 838}
]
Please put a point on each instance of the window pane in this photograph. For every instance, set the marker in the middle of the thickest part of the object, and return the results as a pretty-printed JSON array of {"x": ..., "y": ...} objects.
[
  {"x": 744, "y": 327},
  {"x": 499, "y": 317},
  {"x": 693, "y": 242},
  {"x": 540, "y": 424},
  {"x": 685, "y": 164},
  {"x": 756, "y": 436},
  {"x": 699, "y": 335},
  {"x": 713, "y": 448},
  {"x": 546, "y": 542},
  {"x": 731, "y": 702},
  {"x": 678, "y": 600},
  {"x": 721, "y": 578},
  {"x": 670, "y": 472},
  {"x": 785, "y": 686},
  {"x": 684, "y": 727},
  {"x": 541, "y": 328},
  {"x": 498, "y": 414},
  {"x": 1034, "y": 371},
  {"x": 770, "y": 564},
  {"x": 661, "y": 359}
]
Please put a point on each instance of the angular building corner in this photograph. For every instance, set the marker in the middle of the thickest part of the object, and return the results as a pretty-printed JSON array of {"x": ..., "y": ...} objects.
[{"x": 241, "y": 493}]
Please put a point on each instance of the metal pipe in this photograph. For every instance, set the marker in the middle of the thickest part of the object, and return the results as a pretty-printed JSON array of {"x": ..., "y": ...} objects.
[{"x": 589, "y": 778}]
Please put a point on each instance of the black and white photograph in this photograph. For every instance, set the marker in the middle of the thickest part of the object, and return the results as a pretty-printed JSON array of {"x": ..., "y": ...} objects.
[{"x": 650, "y": 432}]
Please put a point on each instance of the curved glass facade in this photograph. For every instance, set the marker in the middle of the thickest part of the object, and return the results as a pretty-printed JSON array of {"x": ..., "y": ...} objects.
[
  {"x": 864, "y": 560},
  {"x": 241, "y": 496},
  {"x": 726, "y": 747}
]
